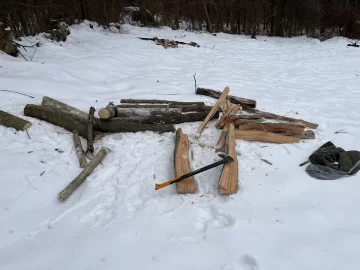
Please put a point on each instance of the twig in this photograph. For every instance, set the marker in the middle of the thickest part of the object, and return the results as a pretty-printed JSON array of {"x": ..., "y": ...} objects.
[
  {"x": 340, "y": 131},
  {"x": 42, "y": 173},
  {"x": 304, "y": 163},
  {"x": 195, "y": 80},
  {"x": 266, "y": 161},
  {"x": 17, "y": 93},
  {"x": 263, "y": 127},
  {"x": 28, "y": 134},
  {"x": 31, "y": 58},
  {"x": 27, "y": 46},
  {"x": 23, "y": 56}
]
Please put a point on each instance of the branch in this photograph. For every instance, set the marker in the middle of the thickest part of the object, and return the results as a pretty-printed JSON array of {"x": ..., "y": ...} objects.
[{"x": 17, "y": 93}]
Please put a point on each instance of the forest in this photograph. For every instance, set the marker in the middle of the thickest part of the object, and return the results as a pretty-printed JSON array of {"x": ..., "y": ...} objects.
[{"x": 284, "y": 18}]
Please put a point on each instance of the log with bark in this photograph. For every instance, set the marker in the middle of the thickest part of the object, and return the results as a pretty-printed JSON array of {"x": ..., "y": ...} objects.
[
  {"x": 79, "y": 149},
  {"x": 213, "y": 111},
  {"x": 66, "y": 192},
  {"x": 160, "y": 101},
  {"x": 108, "y": 112},
  {"x": 273, "y": 127},
  {"x": 12, "y": 121},
  {"x": 90, "y": 130},
  {"x": 268, "y": 115},
  {"x": 262, "y": 136},
  {"x": 228, "y": 183},
  {"x": 183, "y": 108},
  {"x": 235, "y": 100},
  {"x": 182, "y": 164}
]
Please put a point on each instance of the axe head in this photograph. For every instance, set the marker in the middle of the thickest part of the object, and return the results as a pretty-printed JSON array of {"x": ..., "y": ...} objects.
[{"x": 226, "y": 158}]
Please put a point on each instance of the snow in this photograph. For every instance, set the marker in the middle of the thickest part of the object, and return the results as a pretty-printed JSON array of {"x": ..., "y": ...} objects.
[{"x": 280, "y": 218}]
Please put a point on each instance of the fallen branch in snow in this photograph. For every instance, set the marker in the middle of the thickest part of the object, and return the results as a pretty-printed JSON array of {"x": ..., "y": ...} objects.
[
  {"x": 16, "y": 93},
  {"x": 13, "y": 121},
  {"x": 79, "y": 149},
  {"x": 235, "y": 100},
  {"x": 182, "y": 108},
  {"x": 167, "y": 43},
  {"x": 182, "y": 164},
  {"x": 66, "y": 192},
  {"x": 90, "y": 130},
  {"x": 266, "y": 161},
  {"x": 340, "y": 131}
]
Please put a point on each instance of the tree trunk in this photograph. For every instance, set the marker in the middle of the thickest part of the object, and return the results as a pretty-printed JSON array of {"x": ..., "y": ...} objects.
[
  {"x": 213, "y": 111},
  {"x": 79, "y": 149},
  {"x": 12, "y": 121},
  {"x": 262, "y": 136},
  {"x": 235, "y": 100},
  {"x": 65, "y": 193},
  {"x": 90, "y": 129},
  {"x": 182, "y": 164},
  {"x": 208, "y": 21},
  {"x": 228, "y": 183}
]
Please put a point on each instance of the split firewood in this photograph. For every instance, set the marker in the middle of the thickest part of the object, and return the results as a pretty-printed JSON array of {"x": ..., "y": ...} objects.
[
  {"x": 108, "y": 112},
  {"x": 263, "y": 136},
  {"x": 12, "y": 121},
  {"x": 306, "y": 135},
  {"x": 79, "y": 149},
  {"x": 236, "y": 119},
  {"x": 273, "y": 127},
  {"x": 66, "y": 192},
  {"x": 268, "y": 115},
  {"x": 213, "y": 111},
  {"x": 220, "y": 146},
  {"x": 55, "y": 112},
  {"x": 182, "y": 164},
  {"x": 235, "y": 100},
  {"x": 90, "y": 130},
  {"x": 228, "y": 183},
  {"x": 59, "y": 118},
  {"x": 161, "y": 101}
]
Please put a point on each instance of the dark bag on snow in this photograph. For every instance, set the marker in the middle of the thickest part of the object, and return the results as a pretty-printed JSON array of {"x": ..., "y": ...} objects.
[{"x": 330, "y": 162}]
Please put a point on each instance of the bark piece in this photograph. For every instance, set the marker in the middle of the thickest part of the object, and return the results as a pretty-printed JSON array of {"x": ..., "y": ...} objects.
[
  {"x": 273, "y": 127},
  {"x": 58, "y": 118},
  {"x": 228, "y": 183},
  {"x": 90, "y": 130},
  {"x": 79, "y": 149},
  {"x": 235, "y": 100},
  {"x": 214, "y": 109},
  {"x": 268, "y": 115},
  {"x": 182, "y": 164},
  {"x": 262, "y": 136},
  {"x": 108, "y": 112},
  {"x": 9, "y": 120},
  {"x": 161, "y": 101},
  {"x": 66, "y": 192}
]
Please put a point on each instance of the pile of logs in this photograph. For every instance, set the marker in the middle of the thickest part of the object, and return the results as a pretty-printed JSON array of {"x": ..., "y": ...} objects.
[{"x": 168, "y": 43}]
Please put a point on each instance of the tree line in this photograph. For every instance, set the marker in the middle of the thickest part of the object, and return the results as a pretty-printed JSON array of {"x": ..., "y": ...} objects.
[{"x": 284, "y": 18}]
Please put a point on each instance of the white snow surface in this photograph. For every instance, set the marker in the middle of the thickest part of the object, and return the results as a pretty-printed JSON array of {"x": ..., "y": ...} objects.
[{"x": 280, "y": 219}]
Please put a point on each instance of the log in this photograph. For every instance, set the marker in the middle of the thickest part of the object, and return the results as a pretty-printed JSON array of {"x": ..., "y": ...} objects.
[
  {"x": 58, "y": 118},
  {"x": 268, "y": 115},
  {"x": 213, "y": 111},
  {"x": 182, "y": 164},
  {"x": 228, "y": 183},
  {"x": 161, "y": 101},
  {"x": 79, "y": 149},
  {"x": 66, "y": 192},
  {"x": 183, "y": 108},
  {"x": 12, "y": 121},
  {"x": 108, "y": 112},
  {"x": 273, "y": 127},
  {"x": 74, "y": 115},
  {"x": 90, "y": 130},
  {"x": 237, "y": 119},
  {"x": 262, "y": 136},
  {"x": 235, "y": 100}
]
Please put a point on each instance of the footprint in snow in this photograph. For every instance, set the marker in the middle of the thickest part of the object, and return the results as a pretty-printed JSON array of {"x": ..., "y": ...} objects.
[
  {"x": 246, "y": 262},
  {"x": 209, "y": 216}
]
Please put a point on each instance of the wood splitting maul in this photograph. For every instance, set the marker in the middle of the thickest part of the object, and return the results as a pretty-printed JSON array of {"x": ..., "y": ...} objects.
[{"x": 226, "y": 159}]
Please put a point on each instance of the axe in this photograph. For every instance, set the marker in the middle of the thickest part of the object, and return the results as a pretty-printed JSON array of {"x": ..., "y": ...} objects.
[{"x": 226, "y": 159}]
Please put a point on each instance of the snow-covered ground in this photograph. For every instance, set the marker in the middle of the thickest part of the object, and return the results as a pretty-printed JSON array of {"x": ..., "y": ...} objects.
[{"x": 280, "y": 219}]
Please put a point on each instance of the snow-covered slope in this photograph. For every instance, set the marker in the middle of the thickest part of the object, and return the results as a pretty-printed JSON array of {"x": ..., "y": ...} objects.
[{"x": 280, "y": 219}]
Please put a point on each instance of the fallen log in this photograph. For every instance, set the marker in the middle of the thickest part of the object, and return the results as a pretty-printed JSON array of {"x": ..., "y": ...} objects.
[
  {"x": 183, "y": 108},
  {"x": 228, "y": 183},
  {"x": 268, "y": 115},
  {"x": 75, "y": 116},
  {"x": 273, "y": 127},
  {"x": 262, "y": 136},
  {"x": 79, "y": 149},
  {"x": 220, "y": 146},
  {"x": 12, "y": 121},
  {"x": 66, "y": 192},
  {"x": 182, "y": 164},
  {"x": 108, "y": 112},
  {"x": 90, "y": 130},
  {"x": 235, "y": 100},
  {"x": 161, "y": 101},
  {"x": 213, "y": 111},
  {"x": 59, "y": 118}
]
